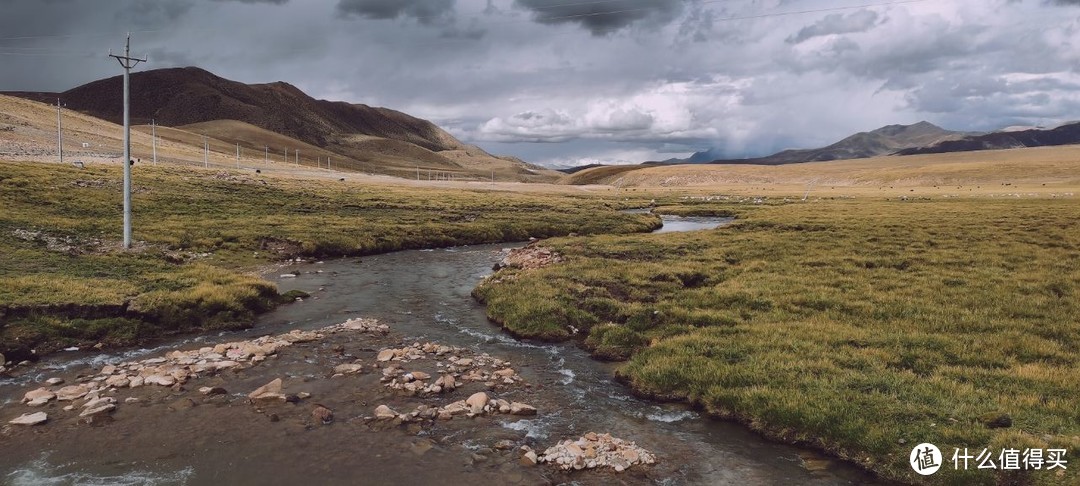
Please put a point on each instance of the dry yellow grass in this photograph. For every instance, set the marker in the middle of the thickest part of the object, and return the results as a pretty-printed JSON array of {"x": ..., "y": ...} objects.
[{"x": 1044, "y": 171}]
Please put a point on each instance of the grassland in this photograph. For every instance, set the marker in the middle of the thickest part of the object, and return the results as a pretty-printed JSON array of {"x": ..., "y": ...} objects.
[
  {"x": 860, "y": 326},
  {"x": 200, "y": 235}
]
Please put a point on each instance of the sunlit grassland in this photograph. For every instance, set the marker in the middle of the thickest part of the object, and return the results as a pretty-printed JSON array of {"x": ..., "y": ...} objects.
[
  {"x": 860, "y": 326},
  {"x": 200, "y": 236}
]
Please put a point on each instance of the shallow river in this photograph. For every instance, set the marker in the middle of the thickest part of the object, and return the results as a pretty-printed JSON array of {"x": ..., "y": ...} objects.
[{"x": 423, "y": 296}]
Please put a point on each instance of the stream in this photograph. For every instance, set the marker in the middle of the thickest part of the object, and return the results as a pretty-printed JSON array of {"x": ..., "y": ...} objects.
[{"x": 424, "y": 296}]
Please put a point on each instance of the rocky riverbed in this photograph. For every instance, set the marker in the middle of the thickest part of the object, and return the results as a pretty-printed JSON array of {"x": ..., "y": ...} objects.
[{"x": 355, "y": 376}]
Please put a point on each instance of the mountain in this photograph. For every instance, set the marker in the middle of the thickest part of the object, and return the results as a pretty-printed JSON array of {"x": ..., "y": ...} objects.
[
  {"x": 187, "y": 97},
  {"x": 1063, "y": 135},
  {"x": 883, "y": 141}
]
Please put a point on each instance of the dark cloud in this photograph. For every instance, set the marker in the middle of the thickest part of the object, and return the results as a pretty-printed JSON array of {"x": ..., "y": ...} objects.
[
  {"x": 639, "y": 80},
  {"x": 860, "y": 21},
  {"x": 424, "y": 11},
  {"x": 603, "y": 17}
]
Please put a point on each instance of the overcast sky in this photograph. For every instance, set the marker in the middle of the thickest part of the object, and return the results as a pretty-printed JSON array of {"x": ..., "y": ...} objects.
[{"x": 568, "y": 82}]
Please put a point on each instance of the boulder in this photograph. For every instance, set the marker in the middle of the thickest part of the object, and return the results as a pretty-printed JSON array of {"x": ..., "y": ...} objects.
[
  {"x": 348, "y": 368},
  {"x": 99, "y": 410},
  {"x": 30, "y": 419},
  {"x": 420, "y": 375},
  {"x": 323, "y": 414},
  {"x": 477, "y": 401},
  {"x": 39, "y": 397},
  {"x": 118, "y": 381},
  {"x": 72, "y": 392},
  {"x": 529, "y": 459},
  {"x": 446, "y": 382},
  {"x": 518, "y": 408},
  {"x": 212, "y": 390},
  {"x": 382, "y": 412},
  {"x": 385, "y": 355},
  {"x": 274, "y": 387},
  {"x": 159, "y": 379}
]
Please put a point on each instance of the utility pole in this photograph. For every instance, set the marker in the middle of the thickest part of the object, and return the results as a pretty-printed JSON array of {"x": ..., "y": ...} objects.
[
  {"x": 205, "y": 153},
  {"x": 153, "y": 137},
  {"x": 328, "y": 162},
  {"x": 237, "y": 155},
  {"x": 266, "y": 155},
  {"x": 418, "y": 172},
  {"x": 127, "y": 62},
  {"x": 59, "y": 132},
  {"x": 296, "y": 153},
  {"x": 285, "y": 159}
]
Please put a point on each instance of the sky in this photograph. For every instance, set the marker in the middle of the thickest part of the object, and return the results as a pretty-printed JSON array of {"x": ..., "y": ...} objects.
[{"x": 572, "y": 82}]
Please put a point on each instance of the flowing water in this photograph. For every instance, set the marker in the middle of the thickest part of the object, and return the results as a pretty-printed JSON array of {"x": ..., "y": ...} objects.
[{"x": 423, "y": 296}]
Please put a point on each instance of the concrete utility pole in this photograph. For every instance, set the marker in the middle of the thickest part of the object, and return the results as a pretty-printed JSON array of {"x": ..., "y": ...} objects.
[
  {"x": 296, "y": 153},
  {"x": 153, "y": 138},
  {"x": 59, "y": 132},
  {"x": 266, "y": 155},
  {"x": 328, "y": 162},
  {"x": 205, "y": 153},
  {"x": 127, "y": 62},
  {"x": 237, "y": 155}
]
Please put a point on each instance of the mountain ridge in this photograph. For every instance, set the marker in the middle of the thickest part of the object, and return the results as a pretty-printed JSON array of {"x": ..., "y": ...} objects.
[{"x": 187, "y": 96}]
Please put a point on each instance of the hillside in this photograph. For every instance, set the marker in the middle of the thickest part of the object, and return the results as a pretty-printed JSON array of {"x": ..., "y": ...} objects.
[
  {"x": 1064, "y": 135},
  {"x": 179, "y": 97}
]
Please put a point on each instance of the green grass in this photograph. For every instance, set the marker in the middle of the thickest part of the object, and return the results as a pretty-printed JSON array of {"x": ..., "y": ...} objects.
[
  {"x": 861, "y": 327},
  {"x": 64, "y": 281}
]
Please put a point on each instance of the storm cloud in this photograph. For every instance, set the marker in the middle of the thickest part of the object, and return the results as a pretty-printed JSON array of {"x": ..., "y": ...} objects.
[
  {"x": 603, "y": 17},
  {"x": 567, "y": 82}
]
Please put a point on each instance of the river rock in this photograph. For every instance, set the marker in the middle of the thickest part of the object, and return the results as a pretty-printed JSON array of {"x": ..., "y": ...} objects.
[
  {"x": 446, "y": 382},
  {"x": 39, "y": 397},
  {"x": 349, "y": 368},
  {"x": 72, "y": 392},
  {"x": 30, "y": 419},
  {"x": 98, "y": 403},
  {"x": 477, "y": 402},
  {"x": 385, "y": 355},
  {"x": 54, "y": 381},
  {"x": 382, "y": 412},
  {"x": 596, "y": 450},
  {"x": 118, "y": 381},
  {"x": 212, "y": 390},
  {"x": 108, "y": 370},
  {"x": 99, "y": 410},
  {"x": 518, "y": 408},
  {"x": 529, "y": 459},
  {"x": 269, "y": 391},
  {"x": 323, "y": 414},
  {"x": 420, "y": 375},
  {"x": 159, "y": 379}
]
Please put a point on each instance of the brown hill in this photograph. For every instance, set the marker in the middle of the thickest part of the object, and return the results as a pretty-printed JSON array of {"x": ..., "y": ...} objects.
[{"x": 179, "y": 97}]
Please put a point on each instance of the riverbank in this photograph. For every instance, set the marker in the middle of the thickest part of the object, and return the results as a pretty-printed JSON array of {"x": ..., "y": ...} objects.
[
  {"x": 199, "y": 235},
  {"x": 860, "y": 326}
]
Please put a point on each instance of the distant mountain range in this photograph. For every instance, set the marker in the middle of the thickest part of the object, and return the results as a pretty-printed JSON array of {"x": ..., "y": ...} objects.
[
  {"x": 378, "y": 138},
  {"x": 1067, "y": 134},
  {"x": 883, "y": 141},
  {"x": 919, "y": 138}
]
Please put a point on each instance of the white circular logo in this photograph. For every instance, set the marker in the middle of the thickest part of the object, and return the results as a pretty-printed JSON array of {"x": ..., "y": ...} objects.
[{"x": 925, "y": 459}]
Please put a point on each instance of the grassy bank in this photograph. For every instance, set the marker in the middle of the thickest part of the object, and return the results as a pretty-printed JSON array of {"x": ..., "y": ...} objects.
[
  {"x": 64, "y": 280},
  {"x": 862, "y": 327}
]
